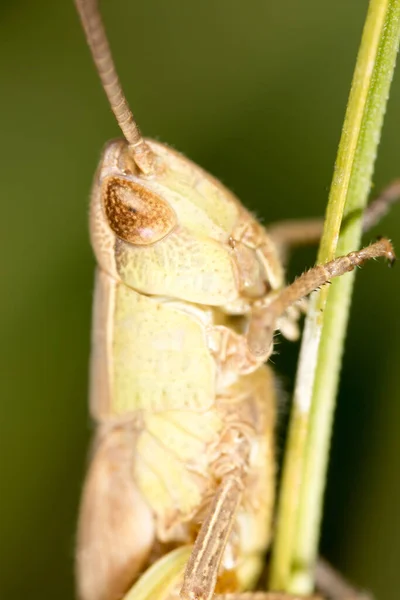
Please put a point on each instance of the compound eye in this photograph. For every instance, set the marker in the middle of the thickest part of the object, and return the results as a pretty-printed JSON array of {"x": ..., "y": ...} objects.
[{"x": 136, "y": 214}]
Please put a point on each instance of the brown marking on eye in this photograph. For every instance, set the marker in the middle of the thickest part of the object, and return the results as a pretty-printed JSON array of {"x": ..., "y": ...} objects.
[{"x": 136, "y": 214}]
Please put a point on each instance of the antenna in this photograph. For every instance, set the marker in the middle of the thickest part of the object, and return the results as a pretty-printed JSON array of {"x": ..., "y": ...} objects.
[{"x": 98, "y": 43}]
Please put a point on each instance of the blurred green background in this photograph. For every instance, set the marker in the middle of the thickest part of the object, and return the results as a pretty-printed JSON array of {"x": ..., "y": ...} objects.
[{"x": 255, "y": 92}]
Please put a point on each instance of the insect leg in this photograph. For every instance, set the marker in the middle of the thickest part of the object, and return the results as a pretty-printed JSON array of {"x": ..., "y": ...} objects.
[
  {"x": 203, "y": 566},
  {"x": 381, "y": 205},
  {"x": 291, "y": 233},
  {"x": 334, "y": 586},
  {"x": 264, "y": 318},
  {"x": 268, "y": 596},
  {"x": 330, "y": 583}
]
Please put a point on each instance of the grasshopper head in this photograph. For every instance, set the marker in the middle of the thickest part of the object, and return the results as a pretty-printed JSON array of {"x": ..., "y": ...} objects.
[
  {"x": 169, "y": 232},
  {"x": 159, "y": 223}
]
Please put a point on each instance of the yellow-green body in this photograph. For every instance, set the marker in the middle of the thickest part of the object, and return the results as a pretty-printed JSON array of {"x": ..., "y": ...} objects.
[{"x": 172, "y": 381}]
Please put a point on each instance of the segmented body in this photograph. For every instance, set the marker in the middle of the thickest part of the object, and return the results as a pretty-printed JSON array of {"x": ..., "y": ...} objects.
[{"x": 174, "y": 391}]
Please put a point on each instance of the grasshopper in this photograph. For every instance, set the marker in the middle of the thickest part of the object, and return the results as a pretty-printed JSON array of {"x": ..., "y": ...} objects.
[{"x": 190, "y": 290}]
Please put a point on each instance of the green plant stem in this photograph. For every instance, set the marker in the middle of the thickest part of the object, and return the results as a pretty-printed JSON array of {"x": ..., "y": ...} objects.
[{"x": 303, "y": 482}]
